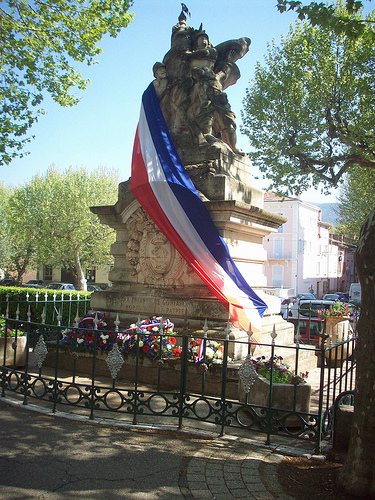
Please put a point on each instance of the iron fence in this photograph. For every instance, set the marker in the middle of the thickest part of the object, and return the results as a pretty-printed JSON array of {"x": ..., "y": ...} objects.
[
  {"x": 180, "y": 378},
  {"x": 49, "y": 307}
]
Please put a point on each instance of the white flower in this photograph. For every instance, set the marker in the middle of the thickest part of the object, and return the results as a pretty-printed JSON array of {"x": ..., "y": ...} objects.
[
  {"x": 79, "y": 341},
  {"x": 210, "y": 352},
  {"x": 141, "y": 343},
  {"x": 169, "y": 347},
  {"x": 104, "y": 337}
]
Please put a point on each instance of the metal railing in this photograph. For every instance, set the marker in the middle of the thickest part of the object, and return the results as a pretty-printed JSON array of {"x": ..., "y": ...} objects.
[
  {"x": 46, "y": 306},
  {"x": 183, "y": 387}
]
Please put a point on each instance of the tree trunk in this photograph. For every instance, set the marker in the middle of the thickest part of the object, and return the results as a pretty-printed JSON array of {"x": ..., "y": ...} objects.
[
  {"x": 357, "y": 475},
  {"x": 82, "y": 282}
]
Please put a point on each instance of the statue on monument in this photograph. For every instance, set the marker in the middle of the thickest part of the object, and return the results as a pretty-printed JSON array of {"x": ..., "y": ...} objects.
[{"x": 190, "y": 84}]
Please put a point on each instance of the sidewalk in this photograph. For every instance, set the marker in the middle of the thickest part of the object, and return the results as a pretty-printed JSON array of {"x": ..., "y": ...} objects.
[{"x": 66, "y": 456}]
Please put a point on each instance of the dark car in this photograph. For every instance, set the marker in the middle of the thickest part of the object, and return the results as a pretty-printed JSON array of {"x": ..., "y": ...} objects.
[
  {"x": 100, "y": 286},
  {"x": 8, "y": 282},
  {"x": 343, "y": 296},
  {"x": 309, "y": 329},
  {"x": 35, "y": 284},
  {"x": 93, "y": 288},
  {"x": 306, "y": 296},
  {"x": 331, "y": 296}
]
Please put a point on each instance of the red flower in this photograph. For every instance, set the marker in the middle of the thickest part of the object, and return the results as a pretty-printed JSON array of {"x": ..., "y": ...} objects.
[
  {"x": 146, "y": 348},
  {"x": 176, "y": 351},
  {"x": 155, "y": 347},
  {"x": 172, "y": 340}
]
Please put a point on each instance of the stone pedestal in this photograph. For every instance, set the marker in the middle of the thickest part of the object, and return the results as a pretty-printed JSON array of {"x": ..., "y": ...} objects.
[{"x": 149, "y": 275}]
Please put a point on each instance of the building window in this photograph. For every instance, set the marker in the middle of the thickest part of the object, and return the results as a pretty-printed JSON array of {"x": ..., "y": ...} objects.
[
  {"x": 47, "y": 273},
  {"x": 278, "y": 248},
  {"x": 301, "y": 246},
  {"x": 280, "y": 229},
  {"x": 90, "y": 275},
  {"x": 277, "y": 276}
]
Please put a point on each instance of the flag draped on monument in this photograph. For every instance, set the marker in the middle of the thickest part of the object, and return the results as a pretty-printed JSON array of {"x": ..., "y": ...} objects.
[{"x": 164, "y": 189}]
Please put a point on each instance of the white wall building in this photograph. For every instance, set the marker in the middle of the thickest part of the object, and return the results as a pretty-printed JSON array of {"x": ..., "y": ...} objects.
[{"x": 302, "y": 257}]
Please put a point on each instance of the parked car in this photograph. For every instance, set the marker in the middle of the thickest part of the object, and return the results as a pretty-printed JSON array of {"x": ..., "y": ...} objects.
[
  {"x": 306, "y": 296},
  {"x": 93, "y": 288},
  {"x": 344, "y": 296},
  {"x": 331, "y": 296},
  {"x": 35, "y": 284},
  {"x": 101, "y": 286},
  {"x": 61, "y": 286},
  {"x": 309, "y": 329},
  {"x": 8, "y": 282},
  {"x": 355, "y": 294},
  {"x": 309, "y": 308}
]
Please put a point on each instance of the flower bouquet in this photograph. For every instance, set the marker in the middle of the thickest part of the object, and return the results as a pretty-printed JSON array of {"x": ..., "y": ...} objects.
[
  {"x": 206, "y": 351},
  {"x": 154, "y": 342},
  {"x": 83, "y": 336},
  {"x": 338, "y": 309}
]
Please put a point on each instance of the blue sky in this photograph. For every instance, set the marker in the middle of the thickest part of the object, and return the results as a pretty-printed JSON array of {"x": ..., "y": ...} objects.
[{"x": 100, "y": 129}]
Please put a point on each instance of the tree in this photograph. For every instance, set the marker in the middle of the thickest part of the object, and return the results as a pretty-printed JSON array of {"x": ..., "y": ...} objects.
[
  {"x": 40, "y": 41},
  {"x": 309, "y": 113},
  {"x": 313, "y": 108},
  {"x": 357, "y": 476},
  {"x": 326, "y": 16},
  {"x": 51, "y": 216},
  {"x": 356, "y": 195},
  {"x": 5, "y": 248}
]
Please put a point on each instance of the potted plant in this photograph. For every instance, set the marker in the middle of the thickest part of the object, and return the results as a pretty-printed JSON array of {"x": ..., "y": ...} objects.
[
  {"x": 15, "y": 344},
  {"x": 289, "y": 390},
  {"x": 337, "y": 327}
]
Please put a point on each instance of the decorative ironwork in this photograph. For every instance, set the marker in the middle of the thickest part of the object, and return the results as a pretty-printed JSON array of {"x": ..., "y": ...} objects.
[
  {"x": 181, "y": 390},
  {"x": 114, "y": 361},
  {"x": 247, "y": 374},
  {"x": 40, "y": 351}
]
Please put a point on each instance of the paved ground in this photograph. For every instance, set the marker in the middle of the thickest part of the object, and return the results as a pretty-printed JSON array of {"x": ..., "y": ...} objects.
[{"x": 67, "y": 457}]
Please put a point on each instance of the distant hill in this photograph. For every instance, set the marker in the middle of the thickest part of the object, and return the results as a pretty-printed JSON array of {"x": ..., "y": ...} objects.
[{"x": 328, "y": 212}]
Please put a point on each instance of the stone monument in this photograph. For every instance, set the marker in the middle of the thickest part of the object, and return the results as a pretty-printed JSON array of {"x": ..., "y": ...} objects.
[{"x": 149, "y": 275}]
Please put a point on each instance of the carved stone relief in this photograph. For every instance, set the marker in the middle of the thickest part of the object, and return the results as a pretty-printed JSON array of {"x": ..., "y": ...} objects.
[{"x": 153, "y": 259}]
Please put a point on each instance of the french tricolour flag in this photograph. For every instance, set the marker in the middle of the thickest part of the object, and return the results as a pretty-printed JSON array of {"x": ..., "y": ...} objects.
[{"x": 164, "y": 189}]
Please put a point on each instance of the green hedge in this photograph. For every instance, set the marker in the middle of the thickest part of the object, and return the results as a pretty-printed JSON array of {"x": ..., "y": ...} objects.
[{"x": 62, "y": 303}]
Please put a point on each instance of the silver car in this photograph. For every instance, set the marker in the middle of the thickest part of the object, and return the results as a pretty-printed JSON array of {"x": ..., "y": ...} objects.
[
  {"x": 309, "y": 308},
  {"x": 61, "y": 286}
]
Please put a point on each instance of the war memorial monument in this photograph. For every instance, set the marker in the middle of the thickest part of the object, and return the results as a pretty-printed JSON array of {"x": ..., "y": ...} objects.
[{"x": 149, "y": 275}]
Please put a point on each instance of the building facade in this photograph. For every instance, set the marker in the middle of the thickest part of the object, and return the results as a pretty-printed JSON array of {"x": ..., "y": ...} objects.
[{"x": 303, "y": 256}]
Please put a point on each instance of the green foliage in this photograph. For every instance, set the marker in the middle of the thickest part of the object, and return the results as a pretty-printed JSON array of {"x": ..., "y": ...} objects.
[
  {"x": 49, "y": 219},
  {"x": 52, "y": 302},
  {"x": 5, "y": 327},
  {"x": 40, "y": 42},
  {"x": 320, "y": 14},
  {"x": 309, "y": 112},
  {"x": 356, "y": 197}
]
